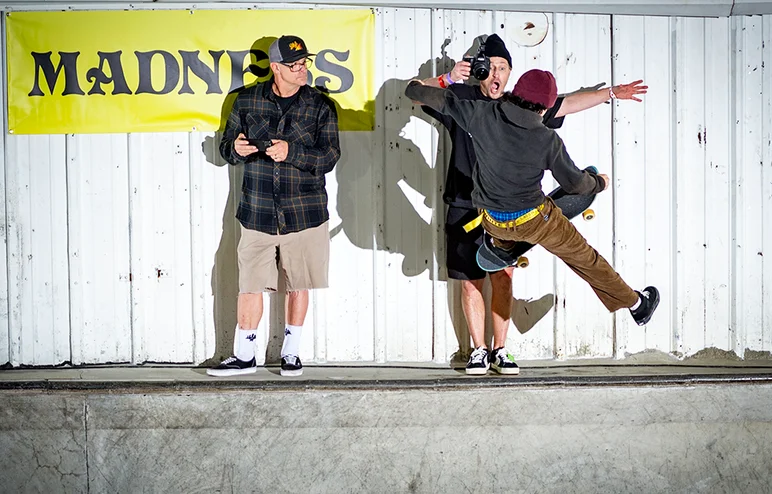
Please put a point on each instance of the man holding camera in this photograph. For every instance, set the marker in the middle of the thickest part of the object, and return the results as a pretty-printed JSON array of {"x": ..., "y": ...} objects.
[
  {"x": 461, "y": 247},
  {"x": 286, "y": 136}
]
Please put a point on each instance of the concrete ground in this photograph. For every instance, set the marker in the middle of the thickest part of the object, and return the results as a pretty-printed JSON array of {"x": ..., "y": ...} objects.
[
  {"x": 654, "y": 368},
  {"x": 601, "y": 426}
]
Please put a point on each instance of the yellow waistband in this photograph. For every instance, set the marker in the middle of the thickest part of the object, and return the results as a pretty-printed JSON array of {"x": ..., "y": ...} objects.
[{"x": 533, "y": 213}]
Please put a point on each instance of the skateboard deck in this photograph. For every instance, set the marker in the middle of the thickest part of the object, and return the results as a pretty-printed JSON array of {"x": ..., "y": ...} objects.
[{"x": 491, "y": 258}]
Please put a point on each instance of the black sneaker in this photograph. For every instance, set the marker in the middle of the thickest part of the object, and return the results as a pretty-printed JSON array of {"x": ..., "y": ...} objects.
[
  {"x": 503, "y": 362},
  {"x": 232, "y": 366},
  {"x": 649, "y": 301},
  {"x": 291, "y": 366},
  {"x": 478, "y": 362}
]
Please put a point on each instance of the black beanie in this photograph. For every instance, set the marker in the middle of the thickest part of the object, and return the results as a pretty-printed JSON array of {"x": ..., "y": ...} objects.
[{"x": 494, "y": 47}]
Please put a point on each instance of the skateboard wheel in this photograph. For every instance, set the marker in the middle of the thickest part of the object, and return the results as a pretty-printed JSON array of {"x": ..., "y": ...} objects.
[
  {"x": 588, "y": 215},
  {"x": 522, "y": 262}
]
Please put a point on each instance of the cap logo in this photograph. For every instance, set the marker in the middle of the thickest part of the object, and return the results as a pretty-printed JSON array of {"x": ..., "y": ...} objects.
[{"x": 295, "y": 46}]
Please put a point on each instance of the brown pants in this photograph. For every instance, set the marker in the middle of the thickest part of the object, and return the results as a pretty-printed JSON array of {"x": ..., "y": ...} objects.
[{"x": 553, "y": 231}]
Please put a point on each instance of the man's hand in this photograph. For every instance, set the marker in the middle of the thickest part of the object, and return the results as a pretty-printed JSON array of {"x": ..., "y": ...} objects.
[
  {"x": 278, "y": 151},
  {"x": 628, "y": 91},
  {"x": 461, "y": 71},
  {"x": 243, "y": 147},
  {"x": 605, "y": 180}
]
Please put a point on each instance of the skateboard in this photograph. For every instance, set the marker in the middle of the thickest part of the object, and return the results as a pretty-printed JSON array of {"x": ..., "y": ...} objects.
[{"x": 491, "y": 258}]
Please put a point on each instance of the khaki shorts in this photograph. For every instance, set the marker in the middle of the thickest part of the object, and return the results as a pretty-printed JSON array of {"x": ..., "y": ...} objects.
[{"x": 304, "y": 258}]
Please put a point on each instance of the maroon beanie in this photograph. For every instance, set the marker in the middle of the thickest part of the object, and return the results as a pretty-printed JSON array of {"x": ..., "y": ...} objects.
[{"x": 537, "y": 86}]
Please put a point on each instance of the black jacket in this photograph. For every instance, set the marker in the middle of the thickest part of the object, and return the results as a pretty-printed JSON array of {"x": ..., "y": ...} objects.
[
  {"x": 513, "y": 149},
  {"x": 458, "y": 180}
]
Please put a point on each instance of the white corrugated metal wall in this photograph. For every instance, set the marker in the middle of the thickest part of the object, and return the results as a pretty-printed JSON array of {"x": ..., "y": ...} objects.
[{"x": 121, "y": 248}]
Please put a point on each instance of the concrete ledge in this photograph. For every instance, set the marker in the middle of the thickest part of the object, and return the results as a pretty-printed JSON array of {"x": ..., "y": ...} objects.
[
  {"x": 418, "y": 376},
  {"x": 707, "y": 438}
]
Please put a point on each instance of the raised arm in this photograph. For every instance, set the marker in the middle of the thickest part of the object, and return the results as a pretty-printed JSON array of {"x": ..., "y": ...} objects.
[
  {"x": 574, "y": 103},
  {"x": 459, "y": 73}
]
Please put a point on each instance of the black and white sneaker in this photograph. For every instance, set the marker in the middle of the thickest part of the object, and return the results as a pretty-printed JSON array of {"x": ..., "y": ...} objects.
[
  {"x": 232, "y": 366},
  {"x": 503, "y": 362},
  {"x": 291, "y": 366},
  {"x": 649, "y": 302},
  {"x": 478, "y": 362}
]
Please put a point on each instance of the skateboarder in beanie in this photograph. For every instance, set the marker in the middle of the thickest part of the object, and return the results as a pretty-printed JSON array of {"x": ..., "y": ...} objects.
[{"x": 507, "y": 185}]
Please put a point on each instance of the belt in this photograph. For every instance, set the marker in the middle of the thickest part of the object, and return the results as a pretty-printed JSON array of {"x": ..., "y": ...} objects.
[{"x": 529, "y": 215}]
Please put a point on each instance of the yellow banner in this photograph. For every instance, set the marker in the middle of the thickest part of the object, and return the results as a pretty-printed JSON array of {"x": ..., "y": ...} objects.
[{"x": 169, "y": 71}]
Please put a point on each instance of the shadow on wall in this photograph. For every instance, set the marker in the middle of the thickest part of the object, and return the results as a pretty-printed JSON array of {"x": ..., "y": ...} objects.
[
  {"x": 526, "y": 313},
  {"x": 225, "y": 272},
  {"x": 384, "y": 162},
  {"x": 379, "y": 162}
]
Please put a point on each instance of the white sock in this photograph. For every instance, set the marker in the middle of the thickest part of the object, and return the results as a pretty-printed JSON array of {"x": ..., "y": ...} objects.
[
  {"x": 637, "y": 304},
  {"x": 291, "y": 344},
  {"x": 244, "y": 349}
]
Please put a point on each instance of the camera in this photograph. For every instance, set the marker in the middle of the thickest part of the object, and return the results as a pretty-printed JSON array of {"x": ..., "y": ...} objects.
[
  {"x": 261, "y": 144},
  {"x": 481, "y": 64}
]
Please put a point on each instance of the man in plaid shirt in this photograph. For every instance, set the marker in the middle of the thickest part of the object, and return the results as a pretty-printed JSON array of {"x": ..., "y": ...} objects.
[{"x": 285, "y": 133}]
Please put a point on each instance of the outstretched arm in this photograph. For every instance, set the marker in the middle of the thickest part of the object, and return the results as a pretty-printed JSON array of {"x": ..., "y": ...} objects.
[{"x": 577, "y": 102}]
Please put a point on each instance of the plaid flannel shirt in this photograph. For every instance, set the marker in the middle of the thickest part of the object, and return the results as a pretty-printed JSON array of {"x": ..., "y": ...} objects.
[{"x": 288, "y": 196}]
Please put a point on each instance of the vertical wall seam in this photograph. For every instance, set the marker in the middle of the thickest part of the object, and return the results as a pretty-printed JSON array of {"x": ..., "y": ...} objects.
[
  {"x": 764, "y": 117},
  {"x": 132, "y": 328},
  {"x": 705, "y": 161},
  {"x": 380, "y": 179},
  {"x": 4, "y": 158},
  {"x": 68, "y": 145},
  {"x": 192, "y": 259},
  {"x": 435, "y": 211},
  {"x": 673, "y": 55},
  {"x": 614, "y": 336},
  {"x": 553, "y": 260},
  {"x": 733, "y": 164}
]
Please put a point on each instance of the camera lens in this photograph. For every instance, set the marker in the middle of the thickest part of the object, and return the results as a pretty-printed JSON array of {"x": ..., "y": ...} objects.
[{"x": 481, "y": 72}]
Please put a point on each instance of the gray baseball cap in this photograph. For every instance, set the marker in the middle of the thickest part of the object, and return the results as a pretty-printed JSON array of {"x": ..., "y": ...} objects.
[{"x": 288, "y": 49}]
